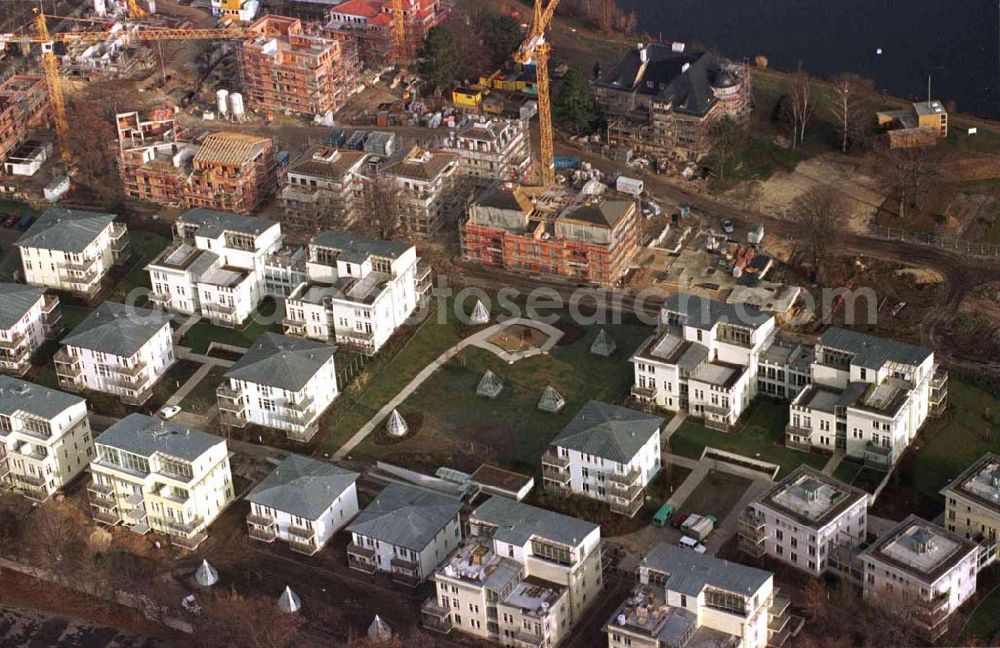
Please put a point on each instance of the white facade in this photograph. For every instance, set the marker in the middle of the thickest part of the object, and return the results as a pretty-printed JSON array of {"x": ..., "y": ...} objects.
[
  {"x": 215, "y": 267},
  {"x": 425, "y": 182},
  {"x": 492, "y": 149},
  {"x": 808, "y": 520},
  {"x": 45, "y": 438},
  {"x": 153, "y": 475},
  {"x": 28, "y": 317},
  {"x": 359, "y": 291},
  {"x": 117, "y": 350}
]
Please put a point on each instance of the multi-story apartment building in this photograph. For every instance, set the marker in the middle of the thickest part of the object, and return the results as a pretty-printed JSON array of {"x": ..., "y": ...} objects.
[
  {"x": 922, "y": 571},
  {"x": 154, "y": 475},
  {"x": 28, "y": 317},
  {"x": 868, "y": 397},
  {"x": 369, "y": 25},
  {"x": 117, "y": 349},
  {"x": 231, "y": 172},
  {"x": 45, "y": 438},
  {"x": 704, "y": 360},
  {"x": 808, "y": 520},
  {"x": 71, "y": 250},
  {"x": 425, "y": 182},
  {"x": 215, "y": 266},
  {"x": 498, "y": 588},
  {"x": 302, "y": 502},
  {"x": 405, "y": 532},
  {"x": 242, "y": 10},
  {"x": 154, "y": 157},
  {"x": 552, "y": 232},
  {"x": 358, "y": 292},
  {"x": 492, "y": 149},
  {"x": 972, "y": 502},
  {"x": 322, "y": 188},
  {"x": 283, "y": 67},
  {"x": 281, "y": 382},
  {"x": 663, "y": 98},
  {"x": 784, "y": 369},
  {"x": 24, "y": 104},
  {"x": 686, "y": 599},
  {"x": 606, "y": 452}
]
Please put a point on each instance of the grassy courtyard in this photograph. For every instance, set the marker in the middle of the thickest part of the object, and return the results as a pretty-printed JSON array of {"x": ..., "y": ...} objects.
[
  {"x": 202, "y": 334},
  {"x": 762, "y": 437},
  {"x": 202, "y": 397}
]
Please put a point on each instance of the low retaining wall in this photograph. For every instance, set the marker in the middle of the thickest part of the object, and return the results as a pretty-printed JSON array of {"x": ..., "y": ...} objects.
[{"x": 743, "y": 465}]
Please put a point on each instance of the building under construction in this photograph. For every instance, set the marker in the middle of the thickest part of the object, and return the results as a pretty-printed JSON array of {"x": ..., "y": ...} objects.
[
  {"x": 662, "y": 98},
  {"x": 426, "y": 184},
  {"x": 320, "y": 189},
  {"x": 539, "y": 231},
  {"x": 24, "y": 104},
  {"x": 370, "y": 26},
  {"x": 232, "y": 172},
  {"x": 153, "y": 157},
  {"x": 284, "y": 68},
  {"x": 491, "y": 149}
]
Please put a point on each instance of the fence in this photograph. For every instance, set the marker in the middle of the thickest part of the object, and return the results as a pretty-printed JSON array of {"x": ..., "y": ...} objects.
[{"x": 976, "y": 248}]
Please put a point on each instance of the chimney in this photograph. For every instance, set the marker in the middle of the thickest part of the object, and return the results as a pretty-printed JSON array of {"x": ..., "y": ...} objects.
[{"x": 643, "y": 53}]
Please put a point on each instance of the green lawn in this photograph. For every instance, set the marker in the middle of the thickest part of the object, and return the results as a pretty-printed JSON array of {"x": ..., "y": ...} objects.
[
  {"x": 202, "y": 397},
  {"x": 202, "y": 334},
  {"x": 985, "y": 620},
  {"x": 857, "y": 475},
  {"x": 145, "y": 246},
  {"x": 463, "y": 429},
  {"x": 762, "y": 438}
]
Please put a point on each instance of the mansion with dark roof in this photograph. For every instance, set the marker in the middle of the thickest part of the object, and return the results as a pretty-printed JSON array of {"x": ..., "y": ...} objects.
[
  {"x": 552, "y": 232},
  {"x": 662, "y": 98}
]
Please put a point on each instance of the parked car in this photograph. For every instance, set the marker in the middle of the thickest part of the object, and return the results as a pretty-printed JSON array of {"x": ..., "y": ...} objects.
[
  {"x": 169, "y": 411},
  {"x": 25, "y": 222},
  {"x": 688, "y": 542},
  {"x": 727, "y": 226},
  {"x": 11, "y": 220}
]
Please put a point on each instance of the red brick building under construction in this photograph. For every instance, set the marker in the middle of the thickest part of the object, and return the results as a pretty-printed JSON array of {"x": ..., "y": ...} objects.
[
  {"x": 551, "y": 232},
  {"x": 370, "y": 25},
  {"x": 24, "y": 104}
]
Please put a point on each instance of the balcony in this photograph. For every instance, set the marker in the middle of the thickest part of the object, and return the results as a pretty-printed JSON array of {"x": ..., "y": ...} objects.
[
  {"x": 160, "y": 300},
  {"x": 261, "y": 533},
  {"x": 304, "y": 405},
  {"x": 718, "y": 410},
  {"x": 189, "y": 542},
  {"x": 230, "y": 400},
  {"x": 752, "y": 533},
  {"x": 435, "y": 617},
  {"x": 67, "y": 366},
  {"x": 103, "y": 489},
  {"x": 13, "y": 342},
  {"x": 551, "y": 458},
  {"x": 987, "y": 552},
  {"x": 83, "y": 266},
  {"x": 184, "y": 528},
  {"x": 138, "y": 398},
  {"x": 109, "y": 517},
  {"x": 798, "y": 438},
  {"x": 120, "y": 242},
  {"x": 356, "y": 337},
  {"x": 136, "y": 515},
  {"x": 930, "y": 616},
  {"x": 307, "y": 546},
  {"x": 878, "y": 456},
  {"x": 629, "y": 508},
  {"x": 643, "y": 393},
  {"x": 528, "y": 639},
  {"x": 28, "y": 451},
  {"x": 559, "y": 477},
  {"x": 623, "y": 480},
  {"x": 361, "y": 558},
  {"x": 102, "y": 499},
  {"x": 293, "y": 326}
]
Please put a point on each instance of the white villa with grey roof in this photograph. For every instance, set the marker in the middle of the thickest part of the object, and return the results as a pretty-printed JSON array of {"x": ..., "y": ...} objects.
[
  {"x": 71, "y": 250},
  {"x": 358, "y": 291},
  {"x": 154, "y": 475},
  {"x": 117, "y": 349},
  {"x": 704, "y": 358},
  {"x": 808, "y": 520},
  {"x": 28, "y": 317},
  {"x": 972, "y": 503},
  {"x": 523, "y": 578},
  {"x": 606, "y": 452},
  {"x": 215, "y": 266},
  {"x": 868, "y": 398},
  {"x": 686, "y": 599},
  {"x": 404, "y": 532},
  {"x": 45, "y": 438},
  {"x": 281, "y": 382},
  {"x": 302, "y": 502},
  {"x": 922, "y": 571}
]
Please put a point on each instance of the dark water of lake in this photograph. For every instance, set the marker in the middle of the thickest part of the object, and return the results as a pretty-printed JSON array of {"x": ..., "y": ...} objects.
[{"x": 957, "y": 42}]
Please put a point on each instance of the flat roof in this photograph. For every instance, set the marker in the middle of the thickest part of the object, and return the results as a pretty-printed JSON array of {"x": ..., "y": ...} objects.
[
  {"x": 703, "y": 313},
  {"x": 980, "y": 482},
  {"x": 721, "y": 374},
  {"x": 498, "y": 479},
  {"x": 872, "y": 351},
  {"x": 824, "y": 398},
  {"x": 534, "y": 597},
  {"x": 811, "y": 498},
  {"x": 475, "y": 562},
  {"x": 672, "y": 349},
  {"x": 920, "y": 548}
]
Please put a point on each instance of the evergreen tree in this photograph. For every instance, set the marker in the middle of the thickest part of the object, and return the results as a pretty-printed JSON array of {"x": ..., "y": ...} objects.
[
  {"x": 574, "y": 107},
  {"x": 439, "y": 60}
]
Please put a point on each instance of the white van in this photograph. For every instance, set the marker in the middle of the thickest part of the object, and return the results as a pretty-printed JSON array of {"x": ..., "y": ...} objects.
[{"x": 690, "y": 543}]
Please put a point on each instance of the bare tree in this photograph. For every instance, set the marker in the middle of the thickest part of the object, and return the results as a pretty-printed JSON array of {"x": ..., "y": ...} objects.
[
  {"x": 912, "y": 173},
  {"x": 54, "y": 536},
  {"x": 801, "y": 97},
  {"x": 229, "y": 619},
  {"x": 382, "y": 208},
  {"x": 821, "y": 211},
  {"x": 851, "y": 107},
  {"x": 729, "y": 138},
  {"x": 845, "y": 619}
]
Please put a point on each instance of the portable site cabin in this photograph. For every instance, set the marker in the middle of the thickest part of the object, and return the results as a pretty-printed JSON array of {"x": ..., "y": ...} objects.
[
  {"x": 467, "y": 97},
  {"x": 662, "y": 515}
]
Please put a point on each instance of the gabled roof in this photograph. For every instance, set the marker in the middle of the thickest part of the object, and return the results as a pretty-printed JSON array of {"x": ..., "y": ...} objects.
[
  {"x": 18, "y": 395},
  {"x": 517, "y": 523},
  {"x": 117, "y": 329},
  {"x": 689, "y": 572},
  {"x": 872, "y": 351},
  {"x": 421, "y": 164},
  {"x": 608, "y": 431},
  {"x": 281, "y": 362},
  {"x": 231, "y": 148},
  {"x": 212, "y": 224},
  {"x": 145, "y": 436},
  {"x": 327, "y": 162},
  {"x": 65, "y": 230},
  {"x": 605, "y": 213},
  {"x": 360, "y": 246},
  {"x": 15, "y": 301},
  {"x": 703, "y": 313},
  {"x": 302, "y": 486},
  {"x": 405, "y": 516}
]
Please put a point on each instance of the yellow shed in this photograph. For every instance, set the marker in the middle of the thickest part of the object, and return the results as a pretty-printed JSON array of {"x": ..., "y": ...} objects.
[{"x": 467, "y": 97}]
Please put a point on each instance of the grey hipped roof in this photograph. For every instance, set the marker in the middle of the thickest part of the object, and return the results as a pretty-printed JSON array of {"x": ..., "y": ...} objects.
[
  {"x": 704, "y": 313},
  {"x": 689, "y": 572},
  {"x": 281, "y": 362},
  {"x": 145, "y": 436},
  {"x": 15, "y": 301},
  {"x": 117, "y": 329},
  {"x": 360, "y": 246},
  {"x": 212, "y": 223},
  {"x": 302, "y": 486},
  {"x": 516, "y": 523},
  {"x": 872, "y": 351},
  {"x": 608, "y": 431},
  {"x": 66, "y": 230},
  {"x": 406, "y": 516},
  {"x": 18, "y": 395}
]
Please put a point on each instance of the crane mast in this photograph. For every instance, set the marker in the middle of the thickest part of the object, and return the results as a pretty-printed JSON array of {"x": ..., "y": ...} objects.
[
  {"x": 400, "y": 29},
  {"x": 536, "y": 49}
]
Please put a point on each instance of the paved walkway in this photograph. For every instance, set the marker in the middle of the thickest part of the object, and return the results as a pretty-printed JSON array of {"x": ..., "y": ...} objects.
[
  {"x": 190, "y": 384},
  {"x": 833, "y": 462},
  {"x": 477, "y": 339},
  {"x": 672, "y": 426},
  {"x": 510, "y": 357},
  {"x": 188, "y": 323},
  {"x": 729, "y": 525}
]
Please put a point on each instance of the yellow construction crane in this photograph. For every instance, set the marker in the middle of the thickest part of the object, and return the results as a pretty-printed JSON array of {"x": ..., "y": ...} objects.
[
  {"x": 536, "y": 49},
  {"x": 400, "y": 29},
  {"x": 50, "y": 64},
  {"x": 135, "y": 11}
]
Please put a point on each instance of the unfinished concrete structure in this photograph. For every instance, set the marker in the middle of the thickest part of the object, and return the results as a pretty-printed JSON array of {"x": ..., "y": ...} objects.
[
  {"x": 320, "y": 189},
  {"x": 153, "y": 158},
  {"x": 24, "y": 104},
  {"x": 425, "y": 180},
  {"x": 231, "y": 172},
  {"x": 282, "y": 67},
  {"x": 552, "y": 232},
  {"x": 491, "y": 149},
  {"x": 661, "y": 98}
]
